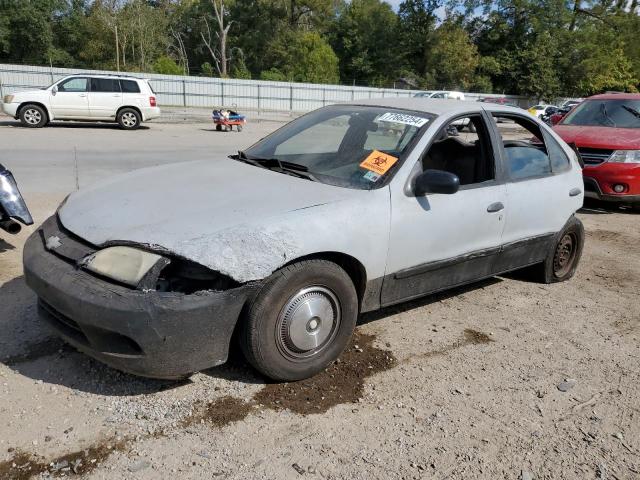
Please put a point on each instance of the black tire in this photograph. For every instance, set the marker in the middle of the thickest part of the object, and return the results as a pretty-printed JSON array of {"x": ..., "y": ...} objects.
[
  {"x": 218, "y": 128},
  {"x": 276, "y": 332},
  {"x": 33, "y": 116},
  {"x": 129, "y": 119},
  {"x": 564, "y": 254},
  {"x": 239, "y": 128}
]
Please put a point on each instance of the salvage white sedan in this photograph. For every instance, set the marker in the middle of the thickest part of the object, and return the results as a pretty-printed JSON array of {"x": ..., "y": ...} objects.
[{"x": 347, "y": 209}]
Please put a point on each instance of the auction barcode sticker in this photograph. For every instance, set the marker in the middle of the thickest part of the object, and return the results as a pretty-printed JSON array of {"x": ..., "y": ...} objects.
[{"x": 403, "y": 118}]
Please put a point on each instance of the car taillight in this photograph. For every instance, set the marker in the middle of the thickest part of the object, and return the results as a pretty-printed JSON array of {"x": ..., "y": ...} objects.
[{"x": 152, "y": 101}]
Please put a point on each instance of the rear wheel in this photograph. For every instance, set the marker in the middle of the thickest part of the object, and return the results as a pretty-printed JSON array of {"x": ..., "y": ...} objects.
[
  {"x": 239, "y": 128},
  {"x": 128, "y": 119},
  {"x": 564, "y": 256},
  {"x": 33, "y": 116},
  {"x": 218, "y": 128},
  {"x": 300, "y": 321}
]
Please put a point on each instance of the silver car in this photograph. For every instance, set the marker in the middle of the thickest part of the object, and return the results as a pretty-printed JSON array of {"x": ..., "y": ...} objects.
[{"x": 345, "y": 210}]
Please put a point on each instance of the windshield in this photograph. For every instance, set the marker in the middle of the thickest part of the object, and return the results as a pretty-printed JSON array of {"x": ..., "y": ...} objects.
[
  {"x": 348, "y": 146},
  {"x": 620, "y": 113}
]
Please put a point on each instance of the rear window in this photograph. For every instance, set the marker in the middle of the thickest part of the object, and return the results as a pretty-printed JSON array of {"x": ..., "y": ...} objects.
[
  {"x": 105, "y": 85},
  {"x": 130, "y": 86}
]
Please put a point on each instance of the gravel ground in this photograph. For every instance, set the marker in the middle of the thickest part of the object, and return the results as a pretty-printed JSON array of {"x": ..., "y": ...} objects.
[{"x": 505, "y": 379}]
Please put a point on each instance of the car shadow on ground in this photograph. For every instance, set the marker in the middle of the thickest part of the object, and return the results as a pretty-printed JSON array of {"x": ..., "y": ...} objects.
[
  {"x": 595, "y": 207},
  {"x": 71, "y": 124},
  {"x": 42, "y": 356}
]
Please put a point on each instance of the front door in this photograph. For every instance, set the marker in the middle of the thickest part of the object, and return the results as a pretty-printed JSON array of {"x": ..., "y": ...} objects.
[
  {"x": 70, "y": 100},
  {"x": 438, "y": 241},
  {"x": 105, "y": 97}
]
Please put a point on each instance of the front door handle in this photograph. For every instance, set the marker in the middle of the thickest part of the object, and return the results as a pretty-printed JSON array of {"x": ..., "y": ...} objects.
[
  {"x": 574, "y": 192},
  {"x": 82, "y": 95},
  {"x": 495, "y": 207}
]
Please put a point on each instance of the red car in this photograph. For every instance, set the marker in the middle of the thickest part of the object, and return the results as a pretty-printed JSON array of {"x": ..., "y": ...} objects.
[{"x": 606, "y": 130}]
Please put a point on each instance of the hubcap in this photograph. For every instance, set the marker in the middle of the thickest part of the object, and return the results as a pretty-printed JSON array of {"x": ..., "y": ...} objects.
[
  {"x": 565, "y": 253},
  {"x": 129, "y": 119},
  {"x": 308, "y": 322},
  {"x": 32, "y": 116}
]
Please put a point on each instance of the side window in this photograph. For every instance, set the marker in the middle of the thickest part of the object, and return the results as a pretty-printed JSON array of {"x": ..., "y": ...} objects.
[
  {"x": 73, "y": 85},
  {"x": 463, "y": 147},
  {"x": 559, "y": 159},
  {"x": 105, "y": 85},
  {"x": 526, "y": 153},
  {"x": 129, "y": 86}
]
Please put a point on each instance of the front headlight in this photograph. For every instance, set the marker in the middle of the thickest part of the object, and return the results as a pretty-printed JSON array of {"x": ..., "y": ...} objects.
[
  {"x": 124, "y": 264},
  {"x": 11, "y": 200},
  {"x": 625, "y": 156},
  {"x": 8, "y": 98}
]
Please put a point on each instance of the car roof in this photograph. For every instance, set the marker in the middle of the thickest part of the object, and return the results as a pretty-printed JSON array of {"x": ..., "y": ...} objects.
[
  {"x": 615, "y": 96},
  {"x": 436, "y": 106},
  {"x": 104, "y": 75}
]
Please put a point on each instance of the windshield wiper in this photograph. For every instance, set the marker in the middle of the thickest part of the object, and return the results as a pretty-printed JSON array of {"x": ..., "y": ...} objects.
[
  {"x": 606, "y": 115},
  {"x": 631, "y": 110},
  {"x": 283, "y": 166}
]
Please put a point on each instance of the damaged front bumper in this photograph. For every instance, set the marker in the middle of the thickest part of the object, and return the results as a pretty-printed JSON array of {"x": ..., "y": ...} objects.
[{"x": 148, "y": 333}]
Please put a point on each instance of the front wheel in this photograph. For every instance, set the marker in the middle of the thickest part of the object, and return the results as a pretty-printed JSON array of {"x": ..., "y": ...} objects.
[
  {"x": 128, "y": 119},
  {"x": 300, "y": 321},
  {"x": 33, "y": 116}
]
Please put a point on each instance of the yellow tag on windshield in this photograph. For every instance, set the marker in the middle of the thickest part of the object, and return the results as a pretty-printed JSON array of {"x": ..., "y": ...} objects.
[{"x": 378, "y": 162}]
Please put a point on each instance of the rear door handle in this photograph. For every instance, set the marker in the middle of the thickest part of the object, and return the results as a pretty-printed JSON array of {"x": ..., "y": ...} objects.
[
  {"x": 495, "y": 207},
  {"x": 82, "y": 95},
  {"x": 574, "y": 192}
]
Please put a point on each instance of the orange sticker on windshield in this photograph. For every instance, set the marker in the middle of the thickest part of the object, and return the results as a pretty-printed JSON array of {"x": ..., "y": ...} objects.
[{"x": 379, "y": 162}]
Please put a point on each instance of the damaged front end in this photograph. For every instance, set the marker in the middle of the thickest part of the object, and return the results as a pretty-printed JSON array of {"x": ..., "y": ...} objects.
[{"x": 135, "y": 308}]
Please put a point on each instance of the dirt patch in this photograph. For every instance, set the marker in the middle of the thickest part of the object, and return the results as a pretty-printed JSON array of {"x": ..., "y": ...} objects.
[
  {"x": 618, "y": 239},
  {"x": 469, "y": 337},
  {"x": 23, "y": 466},
  {"x": 221, "y": 412},
  {"x": 341, "y": 382}
]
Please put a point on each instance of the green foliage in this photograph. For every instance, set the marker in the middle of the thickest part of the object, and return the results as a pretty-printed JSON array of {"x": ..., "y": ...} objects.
[
  {"x": 207, "y": 69},
  {"x": 167, "y": 66},
  {"x": 365, "y": 38},
  {"x": 539, "y": 48},
  {"x": 299, "y": 56},
  {"x": 452, "y": 59},
  {"x": 240, "y": 70}
]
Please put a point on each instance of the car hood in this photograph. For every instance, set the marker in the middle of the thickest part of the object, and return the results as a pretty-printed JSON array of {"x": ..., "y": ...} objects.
[
  {"x": 600, "y": 137},
  {"x": 30, "y": 94},
  {"x": 221, "y": 213}
]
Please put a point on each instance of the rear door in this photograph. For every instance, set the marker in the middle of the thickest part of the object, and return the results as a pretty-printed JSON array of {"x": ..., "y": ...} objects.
[
  {"x": 544, "y": 189},
  {"x": 69, "y": 99},
  {"x": 105, "y": 97}
]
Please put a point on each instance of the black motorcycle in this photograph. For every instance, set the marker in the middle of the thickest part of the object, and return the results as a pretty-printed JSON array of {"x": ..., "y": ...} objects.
[{"x": 12, "y": 205}]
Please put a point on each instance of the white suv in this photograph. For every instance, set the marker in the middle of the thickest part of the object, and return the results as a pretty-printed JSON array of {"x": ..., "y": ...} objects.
[{"x": 126, "y": 100}]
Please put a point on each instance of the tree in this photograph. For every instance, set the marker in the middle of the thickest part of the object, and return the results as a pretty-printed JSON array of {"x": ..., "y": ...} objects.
[
  {"x": 417, "y": 23},
  {"x": 302, "y": 57},
  {"x": 452, "y": 58},
  {"x": 219, "y": 53},
  {"x": 365, "y": 38},
  {"x": 167, "y": 66}
]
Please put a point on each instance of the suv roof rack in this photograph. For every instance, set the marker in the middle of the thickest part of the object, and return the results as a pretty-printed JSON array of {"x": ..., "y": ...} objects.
[{"x": 104, "y": 75}]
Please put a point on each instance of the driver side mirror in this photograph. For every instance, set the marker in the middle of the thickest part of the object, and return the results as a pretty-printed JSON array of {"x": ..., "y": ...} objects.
[
  {"x": 54, "y": 90},
  {"x": 436, "y": 181}
]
